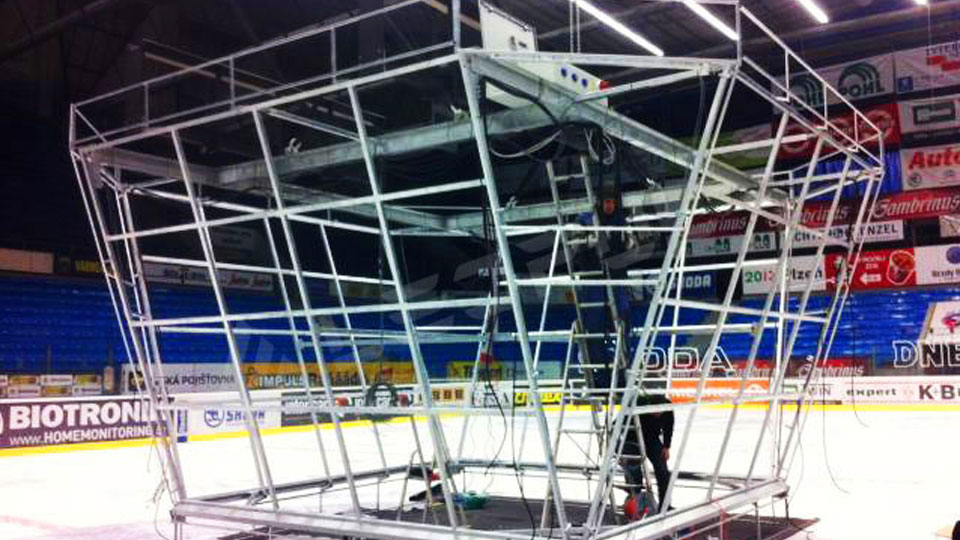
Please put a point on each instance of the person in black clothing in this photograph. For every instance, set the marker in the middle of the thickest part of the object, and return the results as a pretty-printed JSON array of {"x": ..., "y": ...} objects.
[{"x": 657, "y": 430}]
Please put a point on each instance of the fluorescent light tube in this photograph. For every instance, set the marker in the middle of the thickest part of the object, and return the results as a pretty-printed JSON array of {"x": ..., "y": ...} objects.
[
  {"x": 815, "y": 11},
  {"x": 706, "y": 15},
  {"x": 616, "y": 25}
]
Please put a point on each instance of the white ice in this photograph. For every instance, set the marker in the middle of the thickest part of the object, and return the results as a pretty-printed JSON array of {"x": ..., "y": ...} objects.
[{"x": 866, "y": 474}]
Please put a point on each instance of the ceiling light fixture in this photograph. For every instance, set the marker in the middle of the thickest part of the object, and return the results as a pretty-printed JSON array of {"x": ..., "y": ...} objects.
[
  {"x": 816, "y": 11},
  {"x": 706, "y": 15},
  {"x": 616, "y": 25},
  {"x": 922, "y": 2}
]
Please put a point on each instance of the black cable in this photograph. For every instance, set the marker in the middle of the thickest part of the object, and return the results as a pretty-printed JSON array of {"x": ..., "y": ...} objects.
[
  {"x": 561, "y": 127},
  {"x": 489, "y": 225}
]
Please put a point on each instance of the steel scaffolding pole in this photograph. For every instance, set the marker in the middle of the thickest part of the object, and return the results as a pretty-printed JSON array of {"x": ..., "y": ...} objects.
[
  {"x": 206, "y": 245},
  {"x": 472, "y": 90},
  {"x": 305, "y": 301},
  {"x": 441, "y": 451}
]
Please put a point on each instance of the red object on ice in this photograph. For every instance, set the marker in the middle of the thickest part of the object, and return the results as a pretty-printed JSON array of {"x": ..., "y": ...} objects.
[
  {"x": 631, "y": 508},
  {"x": 342, "y": 401},
  {"x": 604, "y": 84}
]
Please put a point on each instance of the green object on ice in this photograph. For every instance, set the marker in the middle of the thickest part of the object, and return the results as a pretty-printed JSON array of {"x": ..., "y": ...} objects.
[{"x": 471, "y": 500}]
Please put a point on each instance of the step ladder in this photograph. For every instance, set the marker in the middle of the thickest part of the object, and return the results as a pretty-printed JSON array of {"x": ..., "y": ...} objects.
[{"x": 600, "y": 400}]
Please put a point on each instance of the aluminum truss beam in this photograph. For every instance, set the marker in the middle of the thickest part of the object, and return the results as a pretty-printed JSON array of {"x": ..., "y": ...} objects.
[{"x": 377, "y": 213}]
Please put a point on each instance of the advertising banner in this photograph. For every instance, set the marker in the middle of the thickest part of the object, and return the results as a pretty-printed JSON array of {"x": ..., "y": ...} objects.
[
  {"x": 747, "y": 159},
  {"x": 233, "y": 243},
  {"x": 67, "y": 421},
  {"x": 886, "y": 117},
  {"x": 730, "y": 245},
  {"x": 260, "y": 376},
  {"x": 924, "y": 119},
  {"x": 378, "y": 395},
  {"x": 184, "y": 378},
  {"x": 938, "y": 265},
  {"x": 887, "y": 390},
  {"x": 862, "y": 79},
  {"x": 217, "y": 420},
  {"x": 884, "y": 231},
  {"x": 931, "y": 166},
  {"x": 883, "y": 269},
  {"x": 24, "y": 386},
  {"x": 18, "y": 260},
  {"x": 66, "y": 264},
  {"x": 949, "y": 226},
  {"x": 942, "y": 323},
  {"x": 759, "y": 279},
  {"x": 929, "y": 67},
  {"x": 188, "y": 378},
  {"x": 907, "y": 205},
  {"x": 725, "y": 224},
  {"x": 684, "y": 390},
  {"x": 918, "y": 204},
  {"x": 189, "y": 275}
]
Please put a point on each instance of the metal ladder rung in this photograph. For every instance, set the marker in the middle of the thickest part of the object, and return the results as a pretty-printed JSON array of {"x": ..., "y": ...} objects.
[
  {"x": 589, "y": 305},
  {"x": 581, "y": 431},
  {"x": 565, "y": 177}
]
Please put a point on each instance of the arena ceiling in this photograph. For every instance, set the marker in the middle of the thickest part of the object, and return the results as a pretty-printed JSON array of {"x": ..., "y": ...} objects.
[{"x": 57, "y": 51}]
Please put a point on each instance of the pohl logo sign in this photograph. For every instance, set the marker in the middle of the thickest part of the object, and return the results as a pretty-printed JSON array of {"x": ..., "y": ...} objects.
[
  {"x": 860, "y": 80},
  {"x": 856, "y": 81}
]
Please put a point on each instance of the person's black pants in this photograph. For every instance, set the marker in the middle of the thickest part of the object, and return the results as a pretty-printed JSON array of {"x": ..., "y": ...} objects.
[{"x": 633, "y": 470}]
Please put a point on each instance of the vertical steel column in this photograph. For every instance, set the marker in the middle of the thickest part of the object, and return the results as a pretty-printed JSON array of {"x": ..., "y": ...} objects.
[
  {"x": 455, "y": 13},
  {"x": 471, "y": 88},
  {"x": 795, "y": 214},
  {"x": 683, "y": 215},
  {"x": 708, "y": 356},
  {"x": 353, "y": 340},
  {"x": 423, "y": 377},
  {"x": 855, "y": 229},
  {"x": 543, "y": 321},
  {"x": 761, "y": 324},
  {"x": 297, "y": 347},
  {"x": 253, "y": 426},
  {"x": 842, "y": 294},
  {"x": 139, "y": 277},
  {"x": 485, "y": 335},
  {"x": 111, "y": 270},
  {"x": 307, "y": 304}
]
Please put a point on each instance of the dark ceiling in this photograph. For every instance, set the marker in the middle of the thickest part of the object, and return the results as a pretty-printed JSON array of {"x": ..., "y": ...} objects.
[
  {"x": 57, "y": 51},
  {"x": 54, "y": 52}
]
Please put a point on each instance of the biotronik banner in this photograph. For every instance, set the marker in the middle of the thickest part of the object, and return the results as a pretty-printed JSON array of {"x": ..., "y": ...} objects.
[{"x": 42, "y": 422}]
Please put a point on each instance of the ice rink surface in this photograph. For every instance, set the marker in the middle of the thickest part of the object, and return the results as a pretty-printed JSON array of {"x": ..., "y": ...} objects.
[{"x": 866, "y": 474}]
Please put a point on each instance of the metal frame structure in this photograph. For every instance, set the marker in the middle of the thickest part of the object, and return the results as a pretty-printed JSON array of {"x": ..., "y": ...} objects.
[{"x": 114, "y": 173}]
